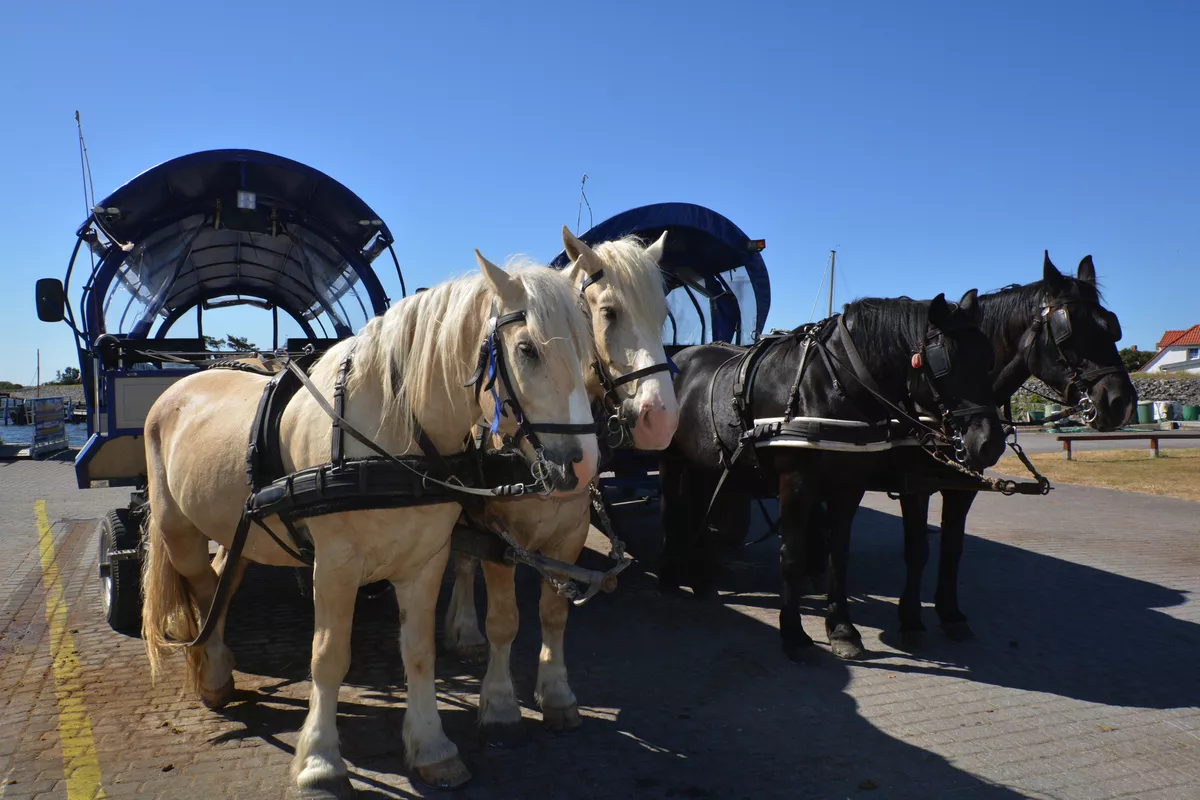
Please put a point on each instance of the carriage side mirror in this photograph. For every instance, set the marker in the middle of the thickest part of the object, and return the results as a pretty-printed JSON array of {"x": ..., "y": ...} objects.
[{"x": 51, "y": 300}]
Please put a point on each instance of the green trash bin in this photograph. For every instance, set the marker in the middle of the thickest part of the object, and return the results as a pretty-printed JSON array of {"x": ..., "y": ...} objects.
[
  {"x": 1145, "y": 414},
  {"x": 1191, "y": 413}
]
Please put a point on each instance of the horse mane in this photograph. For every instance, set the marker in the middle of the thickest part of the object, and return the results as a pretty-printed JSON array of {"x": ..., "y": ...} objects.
[
  {"x": 1008, "y": 311},
  {"x": 885, "y": 324},
  {"x": 423, "y": 349},
  {"x": 636, "y": 277}
]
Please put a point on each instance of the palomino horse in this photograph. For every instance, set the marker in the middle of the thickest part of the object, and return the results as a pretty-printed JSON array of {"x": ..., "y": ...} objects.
[
  {"x": 412, "y": 370},
  {"x": 622, "y": 286}
]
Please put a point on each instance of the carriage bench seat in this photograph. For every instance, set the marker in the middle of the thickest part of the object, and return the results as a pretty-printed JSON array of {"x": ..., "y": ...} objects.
[{"x": 1153, "y": 436}]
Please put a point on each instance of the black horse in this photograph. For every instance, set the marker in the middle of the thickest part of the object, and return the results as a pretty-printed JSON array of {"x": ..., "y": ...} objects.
[
  {"x": 881, "y": 360},
  {"x": 1056, "y": 330}
]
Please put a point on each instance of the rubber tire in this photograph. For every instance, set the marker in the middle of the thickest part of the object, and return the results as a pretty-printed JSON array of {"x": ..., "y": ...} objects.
[{"x": 120, "y": 583}]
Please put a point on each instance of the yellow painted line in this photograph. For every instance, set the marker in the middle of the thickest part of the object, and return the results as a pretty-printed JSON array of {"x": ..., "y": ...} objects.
[{"x": 81, "y": 768}]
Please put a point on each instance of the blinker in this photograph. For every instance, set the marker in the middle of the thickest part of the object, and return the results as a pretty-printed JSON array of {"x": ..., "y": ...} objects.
[
  {"x": 1060, "y": 325},
  {"x": 939, "y": 360}
]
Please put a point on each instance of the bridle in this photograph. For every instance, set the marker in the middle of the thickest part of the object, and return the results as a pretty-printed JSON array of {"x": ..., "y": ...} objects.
[
  {"x": 617, "y": 426},
  {"x": 931, "y": 359},
  {"x": 1055, "y": 319},
  {"x": 492, "y": 363}
]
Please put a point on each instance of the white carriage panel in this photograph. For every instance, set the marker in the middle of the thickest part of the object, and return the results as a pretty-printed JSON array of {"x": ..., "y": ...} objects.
[{"x": 133, "y": 397}]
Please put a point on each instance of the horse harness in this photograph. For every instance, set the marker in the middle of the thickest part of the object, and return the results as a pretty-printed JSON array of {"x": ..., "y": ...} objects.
[{"x": 388, "y": 481}]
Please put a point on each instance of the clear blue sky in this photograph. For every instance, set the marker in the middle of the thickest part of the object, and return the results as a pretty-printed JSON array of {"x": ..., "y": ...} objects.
[{"x": 937, "y": 146}]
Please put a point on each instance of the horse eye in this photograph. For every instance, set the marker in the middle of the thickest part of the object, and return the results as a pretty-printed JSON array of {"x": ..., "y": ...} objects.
[
  {"x": 527, "y": 349},
  {"x": 608, "y": 313}
]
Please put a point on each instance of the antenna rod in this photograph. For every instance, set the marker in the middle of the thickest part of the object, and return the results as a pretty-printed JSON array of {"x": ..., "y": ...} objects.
[{"x": 832, "y": 260}]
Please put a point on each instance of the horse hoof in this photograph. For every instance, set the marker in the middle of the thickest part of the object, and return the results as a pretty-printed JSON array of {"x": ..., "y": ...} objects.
[
  {"x": 800, "y": 652},
  {"x": 847, "y": 649},
  {"x": 449, "y": 773},
  {"x": 958, "y": 631},
  {"x": 505, "y": 736},
  {"x": 562, "y": 719},
  {"x": 217, "y": 698},
  {"x": 472, "y": 653},
  {"x": 334, "y": 788}
]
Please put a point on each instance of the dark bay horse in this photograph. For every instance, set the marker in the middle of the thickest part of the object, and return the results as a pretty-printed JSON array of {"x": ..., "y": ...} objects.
[
  {"x": 1056, "y": 330},
  {"x": 866, "y": 367}
]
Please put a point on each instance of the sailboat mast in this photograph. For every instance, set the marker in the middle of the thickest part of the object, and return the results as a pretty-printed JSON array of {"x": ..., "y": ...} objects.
[
  {"x": 832, "y": 260},
  {"x": 39, "y": 372}
]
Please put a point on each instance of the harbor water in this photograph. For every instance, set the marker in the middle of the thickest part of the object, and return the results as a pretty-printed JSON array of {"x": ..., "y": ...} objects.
[{"x": 23, "y": 434}]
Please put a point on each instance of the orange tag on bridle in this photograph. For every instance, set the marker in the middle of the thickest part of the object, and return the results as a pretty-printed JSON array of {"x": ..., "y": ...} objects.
[{"x": 917, "y": 361}]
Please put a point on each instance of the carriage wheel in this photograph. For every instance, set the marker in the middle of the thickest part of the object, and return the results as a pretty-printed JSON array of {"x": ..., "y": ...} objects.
[{"x": 120, "y": 579}]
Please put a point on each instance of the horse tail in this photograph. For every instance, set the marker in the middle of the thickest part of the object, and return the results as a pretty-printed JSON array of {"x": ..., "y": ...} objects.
[{"x": 168, "y": 615}]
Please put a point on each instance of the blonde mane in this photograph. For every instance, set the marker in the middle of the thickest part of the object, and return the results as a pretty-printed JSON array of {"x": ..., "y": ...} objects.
[
  {"x": 423, "y": 349},
  {"x": 636, "y": 277}
]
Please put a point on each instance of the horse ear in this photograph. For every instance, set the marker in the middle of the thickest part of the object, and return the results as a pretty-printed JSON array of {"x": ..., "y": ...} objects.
[
  {"x": 506, "y": 287},
  {"x": 969, "y": 304},
  {"x": 939, "y": 312},
  {"x": 1087, "y": 271},
  {"x": 655, "y": 251},
  {"x": 1050, "y": 273},
  {"x": 576, "y": 248}
]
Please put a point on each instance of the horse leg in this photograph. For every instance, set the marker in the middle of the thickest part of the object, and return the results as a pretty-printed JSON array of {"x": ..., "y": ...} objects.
[
  {"x": 844, "y": 638},
  {"x": 955, "y": 507},
  {"x": 177, "y": 574},
  {"x": 796, "y": 500},
  {"x": 499, "y": 712},
  {"x": 317, "y": 768},
  {"x": 915, "y": 510},
  {"x": 426, "y": 745},
  {"x": 462, "y": 635},
  {"x": 560, "y": 710},
  {"x": 219, "y": 660}
]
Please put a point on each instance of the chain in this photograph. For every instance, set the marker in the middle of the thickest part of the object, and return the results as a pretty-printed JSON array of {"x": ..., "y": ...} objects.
[
  {"x": 617, "y": 547},
  {"x": 1002, "y": 485}
]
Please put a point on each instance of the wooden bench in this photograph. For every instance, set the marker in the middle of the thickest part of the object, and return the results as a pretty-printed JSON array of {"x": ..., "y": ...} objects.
[{"x": 1153, "y": 436}]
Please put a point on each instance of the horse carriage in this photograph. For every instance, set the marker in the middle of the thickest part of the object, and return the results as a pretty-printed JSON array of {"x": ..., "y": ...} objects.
[
  {"x": 384, "y": 434},
  {"x": 212, "y": 230}
]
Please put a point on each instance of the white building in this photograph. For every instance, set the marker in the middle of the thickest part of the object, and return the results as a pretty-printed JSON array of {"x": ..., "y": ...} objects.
[{"x": 1178, "y": 353}]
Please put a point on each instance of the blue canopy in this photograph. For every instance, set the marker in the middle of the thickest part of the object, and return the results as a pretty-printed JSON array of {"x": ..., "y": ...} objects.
[
  {"x": 228, "y": 226},
  {"x": 701, "y": 246}
]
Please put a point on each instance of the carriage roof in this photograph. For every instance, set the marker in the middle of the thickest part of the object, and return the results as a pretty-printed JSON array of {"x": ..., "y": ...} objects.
[
  {"x": 229, "y": 227},
  {"x": 701, "y": 246}
]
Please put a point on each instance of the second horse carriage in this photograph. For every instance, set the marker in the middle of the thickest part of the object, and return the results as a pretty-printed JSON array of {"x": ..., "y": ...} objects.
[{"x": 222, "y": 231}]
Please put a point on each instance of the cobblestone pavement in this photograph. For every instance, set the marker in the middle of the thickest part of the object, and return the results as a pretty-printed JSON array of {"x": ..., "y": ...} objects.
[{"x": 1082, "y": 682}]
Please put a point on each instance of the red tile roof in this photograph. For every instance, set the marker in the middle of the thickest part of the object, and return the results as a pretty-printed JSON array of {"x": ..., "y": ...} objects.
[{"x": 1190, "y": 336}]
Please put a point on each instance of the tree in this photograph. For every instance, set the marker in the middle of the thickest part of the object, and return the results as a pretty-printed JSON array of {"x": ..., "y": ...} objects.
[
  {"x": 1135, "y": 359},
  {"x": 212, "y": 343},
  {"x": 67, "y": 376},
  {"x": 8, "y": 386},
  {"x": 238, "y": 343}
]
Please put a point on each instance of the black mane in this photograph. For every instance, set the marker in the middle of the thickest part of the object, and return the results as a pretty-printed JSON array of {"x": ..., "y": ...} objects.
[
  {"x": 1008, "y": 311},
  {"x": 887, "y": 325}
]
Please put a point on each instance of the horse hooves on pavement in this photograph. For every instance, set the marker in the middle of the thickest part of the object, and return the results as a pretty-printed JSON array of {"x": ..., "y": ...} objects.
[
  {"x": 333, "y": 788},
  {"x": 449, "y": 773},
  {"x": 958, "y": 631},
  {"x": 562, "y": 719},
  {"x": 217, "y": 698}
]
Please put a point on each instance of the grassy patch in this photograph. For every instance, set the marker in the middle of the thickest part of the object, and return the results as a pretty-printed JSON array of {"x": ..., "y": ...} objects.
[{"x": 1175, "y": 473}]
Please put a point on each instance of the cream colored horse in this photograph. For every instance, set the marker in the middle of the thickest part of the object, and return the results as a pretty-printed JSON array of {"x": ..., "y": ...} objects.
[
  {"x": 627, "y": 310},
  {"x": 409, "y": 366}
]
